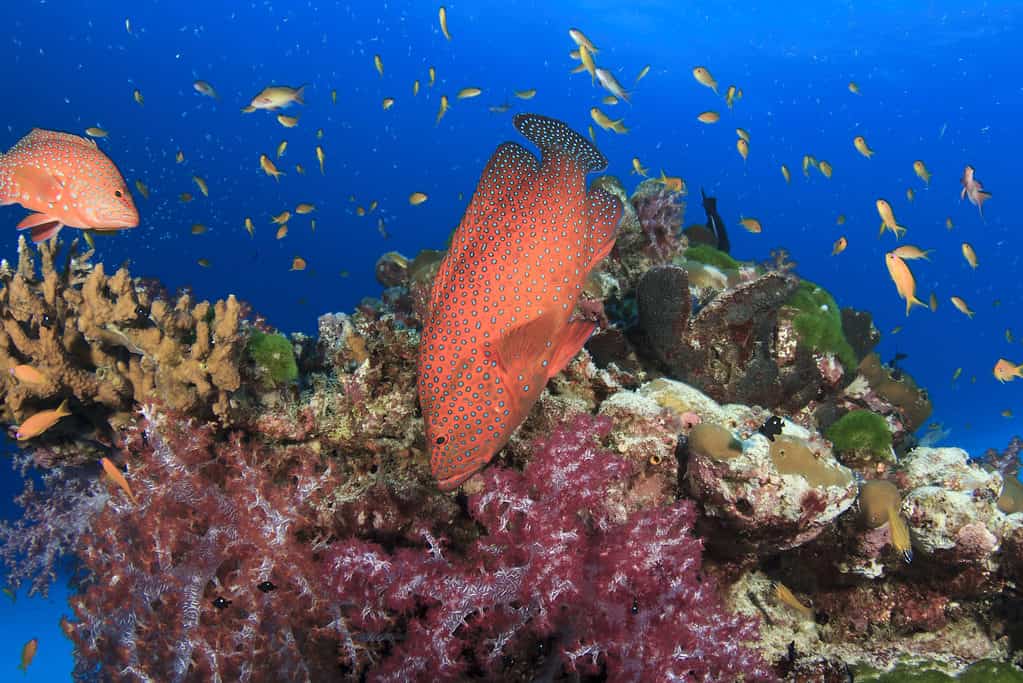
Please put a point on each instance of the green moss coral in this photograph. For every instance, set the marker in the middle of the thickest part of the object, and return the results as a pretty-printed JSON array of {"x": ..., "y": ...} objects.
[
  {"x": 861, "y": 431},
  {"x": 704, "y": 253},
  {"x": 273, "y": 354},
  {"x": 979, "y": 672},
  {"x": 819, "y": 322}
]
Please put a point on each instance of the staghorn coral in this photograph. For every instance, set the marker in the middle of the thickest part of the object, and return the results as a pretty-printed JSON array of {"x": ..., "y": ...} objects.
[{"x": 105, "y": 343}]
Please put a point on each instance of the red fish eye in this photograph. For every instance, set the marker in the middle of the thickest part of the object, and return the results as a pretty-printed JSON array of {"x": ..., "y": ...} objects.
[
  {"x": 117, "y": 193},
  {"x": 440, "y": 440}
]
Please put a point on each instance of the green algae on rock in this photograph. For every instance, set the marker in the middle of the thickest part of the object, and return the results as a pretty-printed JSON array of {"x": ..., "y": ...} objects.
[
  {"x": 861, "y": 432},
  {"x": 819, "y": 322},
  {"x": 273, "y": 356},
  {"x": 704, "y": 253}
]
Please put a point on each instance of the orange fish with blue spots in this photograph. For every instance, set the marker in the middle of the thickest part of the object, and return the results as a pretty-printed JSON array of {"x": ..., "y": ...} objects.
[{"x": 500, "y": 322}]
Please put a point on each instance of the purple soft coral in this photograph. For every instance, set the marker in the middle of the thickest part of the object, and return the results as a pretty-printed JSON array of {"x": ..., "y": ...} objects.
[{"x": 564, "y": 566}]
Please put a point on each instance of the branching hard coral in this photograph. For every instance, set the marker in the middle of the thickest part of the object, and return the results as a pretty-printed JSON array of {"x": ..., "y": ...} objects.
[
  {"x": 561, "y": 564},
  {"x": 104, "y": 343}
]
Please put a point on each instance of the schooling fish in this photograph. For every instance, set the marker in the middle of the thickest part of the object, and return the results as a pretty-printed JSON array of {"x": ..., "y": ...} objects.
[
  {"x": 500, "y": 320},
  {"x": 66, "y": 180},
  {"x": 973, "y": 189}
]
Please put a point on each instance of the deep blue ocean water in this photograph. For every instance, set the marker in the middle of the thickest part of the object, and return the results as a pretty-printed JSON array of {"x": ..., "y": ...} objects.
[{"x": 937, "y": 82}]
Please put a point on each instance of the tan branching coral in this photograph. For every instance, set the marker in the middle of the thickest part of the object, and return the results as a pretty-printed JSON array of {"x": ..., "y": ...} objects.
[{"x": 105, "y": 342}]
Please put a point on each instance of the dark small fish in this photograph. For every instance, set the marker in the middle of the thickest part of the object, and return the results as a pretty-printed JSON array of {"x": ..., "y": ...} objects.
[
  {"x": 267, "y": 586},
  {"x": 221, "y": 602},
  {"x": 899, "y": 356},
  {"x": 714, "y": 222},
  {"x": 772, "y": 427}
]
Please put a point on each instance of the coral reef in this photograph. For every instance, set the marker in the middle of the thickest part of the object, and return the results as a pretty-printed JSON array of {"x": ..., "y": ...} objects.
[
  {"x": 716, "y": 490},
  {"x": 105, "y": 343}
]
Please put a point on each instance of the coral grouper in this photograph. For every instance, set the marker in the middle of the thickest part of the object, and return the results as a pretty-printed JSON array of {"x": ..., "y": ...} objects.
[{"x": 500, "y": 321}]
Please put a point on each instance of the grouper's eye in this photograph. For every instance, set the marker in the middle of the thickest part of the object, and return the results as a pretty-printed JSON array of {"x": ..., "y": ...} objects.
[
  {"x": 117, "y": 193},
  {"x": 440, "y": 440}
]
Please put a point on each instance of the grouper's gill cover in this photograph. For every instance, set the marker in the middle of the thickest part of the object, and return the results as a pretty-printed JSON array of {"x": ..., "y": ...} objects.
[{"x": 500, "y": 321}]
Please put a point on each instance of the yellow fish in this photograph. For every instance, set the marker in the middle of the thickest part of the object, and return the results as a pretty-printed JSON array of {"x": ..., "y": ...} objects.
[
  {"x": 388, "y": 103},
  {"x": 379, "y": 64},
  {"x": 581, "y": 40},
  {"x": 709, "y": 117},
  {"x": 955, "y": 375},
  {"x": 602, "y": 120},
  {"x": 588, "y": 64},
  {"x": 185, "y": 197},
  {"x": 860, "y": 143},
  {"x": 303, "y": 209},
  {"x": 899, "y": 531},
  {"x": 969, "y": 255},
  {"x": 825, "y": 168},
  {"x": 415, "y": 87},
  {"x": 884, "y": 209},
  {"x": 297, "y": 263},
  {"x": 281, "y": 147},
  {"x": 300, "y": 169},
  {"x": 41, "y": 421},
  {"x": 642, "y": 73},
  {"x": 932, "y": 302},
  {"x": 962, "y": 307},
  {"x": 204, "y": 262},
  {"x": 610, "y": 100},
  {"x": 95, "y": 132},
  {"x": 853, "y": 88},
  {"x": 730, "y": 96},
  {"x": 908, "y": 252},
  {"x": 948, "y": 223},
  {"x": 117, "y": 476},
  {"x": 142, "y": 188},
  {"x": 910, "y": 195},
  {"x": 28, "y": 650},
  {"x": 442, "y": 14},
  {"x": 905, "y": 284},
  {"x": 1006, "y": 370},
  {"x": 137, "y": 94},
  {"x": 672, "y": 183},
  {"x": 282, "y": 231},
  {"x": 466, "y": 93},
  {"x": 840, "y": 244},
  {"x": 179, "y": 157},
  {"x": 250, "y": 227},
  {"x": 333, "y": 96},
  {"x": 751, "y": 224},
  {"x": 525, "y": 94},
  {"x": 281, "y": 218},
  {"x": 703, "y": 77},
  {"x": 840, "y": 220},
  {"x": 287, "y": 121},
  {"x": 198, "y": 228},
  {"x": 321, "y": 157},
  {"x": 787, "y": 598},
  {"x": 202, "y": 185},
  {"x": 743, "y": 148},
  {"x": 785, "y": 173},
  {"x": 637, "y": 168},
  {"x": 742, "y": 133},
  {"x": 417, "y": 198},
  {"x": 26, "y": 374},
  {"x": 442, "y": 110},
  {"x": 269, "y": 168},
  {"x": 433, "y": 76},
  {"x": 921, "y": 171}
]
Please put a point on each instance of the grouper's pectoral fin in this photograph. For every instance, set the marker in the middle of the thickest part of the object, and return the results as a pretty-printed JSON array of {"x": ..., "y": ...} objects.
[
  {"x": 43, "y": 227},
  {"x": 569, "y": 343},
  {"x": 523, "y": 353},
  {"x": 603, "y": 210}
]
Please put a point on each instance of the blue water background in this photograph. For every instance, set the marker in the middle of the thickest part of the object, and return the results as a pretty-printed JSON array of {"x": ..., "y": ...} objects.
[{"x": 938, "y": 82}]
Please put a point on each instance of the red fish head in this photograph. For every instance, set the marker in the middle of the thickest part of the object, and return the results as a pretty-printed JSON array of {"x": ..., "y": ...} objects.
[{"x": 111, "y": 207}]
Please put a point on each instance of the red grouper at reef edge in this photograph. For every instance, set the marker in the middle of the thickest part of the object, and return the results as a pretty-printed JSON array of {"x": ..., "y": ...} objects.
[
  {"x": 501, "y": 322},
  {"x": 66, "y": 180}
]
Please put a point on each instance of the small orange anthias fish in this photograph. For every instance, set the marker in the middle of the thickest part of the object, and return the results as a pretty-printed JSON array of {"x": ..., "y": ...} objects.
[
  {"x": 973, "y": 190},
  {"x": 28, "y": 653},
  {"x": 500, "y": 322},
  {"x": 117, "y": 477},
  {"x": 41, "y": 421},
  {"x": 66, "y": 180}
]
